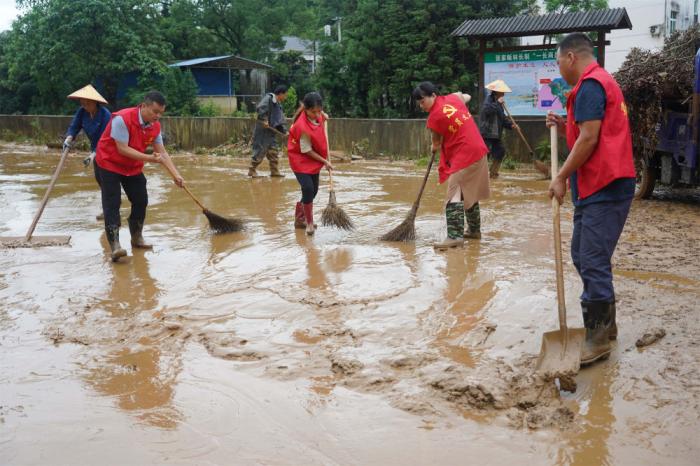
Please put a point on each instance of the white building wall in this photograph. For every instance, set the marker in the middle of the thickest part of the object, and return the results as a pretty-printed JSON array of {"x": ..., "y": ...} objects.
[{"x": 651, "y": 24}]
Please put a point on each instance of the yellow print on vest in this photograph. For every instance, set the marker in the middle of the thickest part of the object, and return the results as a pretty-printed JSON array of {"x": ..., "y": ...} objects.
[
  {"x": 449, "y": 110},
  {"x": 623, "y": 107}
]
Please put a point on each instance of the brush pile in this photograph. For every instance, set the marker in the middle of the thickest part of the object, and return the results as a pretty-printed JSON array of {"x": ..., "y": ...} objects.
[{"x": 652, "y": 81}]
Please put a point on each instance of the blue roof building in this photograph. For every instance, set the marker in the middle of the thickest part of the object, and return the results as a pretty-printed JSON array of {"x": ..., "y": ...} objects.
[{"x": 229, "y": 81}]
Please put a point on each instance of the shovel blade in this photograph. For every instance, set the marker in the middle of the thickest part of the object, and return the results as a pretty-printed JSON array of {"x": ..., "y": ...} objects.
[
  {"x": 34, "y": 241},
  {"x": 560, "y": 354}
]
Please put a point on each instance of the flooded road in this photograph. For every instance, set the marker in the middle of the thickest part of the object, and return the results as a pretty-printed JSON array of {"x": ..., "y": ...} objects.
[{"x": 270, "y": 347}]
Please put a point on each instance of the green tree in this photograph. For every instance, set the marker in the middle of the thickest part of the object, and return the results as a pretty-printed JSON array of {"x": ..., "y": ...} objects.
[
  {"x": 564, "y": 6},
  {"x": 61, "y": 45},
  {"x": 180, "y": 25},
  {"x": 389, "y": 46},
  {"x": 292, "y": 69}
]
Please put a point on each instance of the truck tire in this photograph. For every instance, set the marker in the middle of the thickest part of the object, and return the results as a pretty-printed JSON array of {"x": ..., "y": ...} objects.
[{"x": 646, "y": 178}]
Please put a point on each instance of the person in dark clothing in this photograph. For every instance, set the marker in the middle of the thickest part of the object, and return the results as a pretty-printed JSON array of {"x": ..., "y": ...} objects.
[
  {"x": 270, "y": 115},
  {"x": 601, "y": 174},
  {"x": 492, "y": 120}
]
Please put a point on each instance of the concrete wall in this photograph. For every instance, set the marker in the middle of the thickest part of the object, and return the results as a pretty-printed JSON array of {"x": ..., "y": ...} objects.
[{"x": 399, "y": 138}]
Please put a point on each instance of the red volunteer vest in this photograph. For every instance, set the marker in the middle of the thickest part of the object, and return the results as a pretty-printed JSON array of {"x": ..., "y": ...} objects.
[
  {"x": 462, "y": 144},
  {"x": 299, "y": 162},
  {"x": 108, "y": 156},
  {"x": 612, "y": 157}
]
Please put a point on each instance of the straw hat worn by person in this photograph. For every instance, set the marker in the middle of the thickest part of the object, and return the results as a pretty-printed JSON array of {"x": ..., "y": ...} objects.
[
  {"x": 307, "y": 148},
  {"x": 121, "y": 153},
  {"x": 92, "y": 117},
  {"x": 492, "y": 120},
  {"x": 462, "y": 161}
]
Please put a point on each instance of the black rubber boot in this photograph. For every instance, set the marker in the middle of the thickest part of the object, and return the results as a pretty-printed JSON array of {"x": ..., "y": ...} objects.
[
  {"x": 596, "y": 319},
  {"x": 136, "y": 230},
  {"x": 613, "y": 323},
  {"x": 112, "y": 233}
]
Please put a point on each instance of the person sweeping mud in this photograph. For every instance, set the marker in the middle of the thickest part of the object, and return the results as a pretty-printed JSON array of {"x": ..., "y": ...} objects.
[
  {"x": 92, "y": 117},
  {"x": 492, "y": 120},
  {"x": 119, "y": 164},
  {"x": 308, "y": 154},
  {"x": 462, "y": 161},
  {"x": 270, "y": 115},
  {"x": 600, "y": 171}
]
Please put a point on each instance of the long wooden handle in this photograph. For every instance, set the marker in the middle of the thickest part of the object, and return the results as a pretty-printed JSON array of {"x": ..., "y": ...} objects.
[
  {"x": 518, "y": 130},
  {"x": 44, "y": 201},
  {"x": 328, "y": 151},
  {"x": 561, "y": 300},
  {"x": 184, "y": 186},
  {"x": 425, "y": 181}
]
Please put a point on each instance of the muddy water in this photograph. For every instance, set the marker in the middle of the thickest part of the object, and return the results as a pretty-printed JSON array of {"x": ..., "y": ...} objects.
[{"x": 269, "y": 347}]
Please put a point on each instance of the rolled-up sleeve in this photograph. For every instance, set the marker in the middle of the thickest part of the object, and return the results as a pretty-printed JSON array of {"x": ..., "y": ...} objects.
[{"x": 119, "y": 130}]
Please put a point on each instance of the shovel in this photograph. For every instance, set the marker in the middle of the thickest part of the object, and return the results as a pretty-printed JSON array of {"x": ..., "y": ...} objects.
[
  {"x": 560, "y": 354},
  {"x": 28, "y": 241}
]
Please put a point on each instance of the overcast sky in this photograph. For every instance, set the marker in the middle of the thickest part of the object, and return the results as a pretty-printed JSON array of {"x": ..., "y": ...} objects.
[{"x": 8, "y": 13}]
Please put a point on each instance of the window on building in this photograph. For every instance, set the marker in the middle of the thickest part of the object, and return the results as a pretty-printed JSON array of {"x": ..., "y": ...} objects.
[{"x": 672, "y": 21}]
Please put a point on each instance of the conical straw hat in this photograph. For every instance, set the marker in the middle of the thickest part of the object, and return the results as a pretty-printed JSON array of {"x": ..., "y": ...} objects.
[
  {"x": 88, "y": 92},
  {"x": 498, "y": 86}
]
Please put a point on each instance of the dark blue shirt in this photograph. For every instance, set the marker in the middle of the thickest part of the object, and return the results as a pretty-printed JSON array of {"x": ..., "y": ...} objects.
[
  {"x": 93, "y": 127},
  {"x": 590, "y": 105}
]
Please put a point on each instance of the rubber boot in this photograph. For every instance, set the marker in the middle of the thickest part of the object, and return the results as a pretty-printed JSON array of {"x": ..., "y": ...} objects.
[
  {"x": 473, "y": 217},
  {"x": 309, "y": 217},
  {"x": 252, "y": 172},
  {"x": 596, "y": 319},
  {"x": 493, "y": 171},
  {"x": 613, "y": 323},
  {"x": 454, "y": 213},
  {"x": 299, "y": 219},
  {"x": 274, "y": 165},
  {"x": 137, "y": 241},
  {"x": 112, "y": 233}
]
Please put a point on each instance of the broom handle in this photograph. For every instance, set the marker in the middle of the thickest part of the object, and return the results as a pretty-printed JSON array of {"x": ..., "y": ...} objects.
[
  {"x": 328, "y": 151},
  {"x": 184, "y": 186},
  {"x": 561, "y": 300},
  {"x": 425, "y": 181},
  {"x": 517, "y": 128},
  {"x": 44, "y": 201}
]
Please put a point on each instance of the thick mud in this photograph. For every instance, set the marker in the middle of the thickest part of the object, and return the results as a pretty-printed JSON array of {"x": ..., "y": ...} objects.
[{"x": 270, "y": 347}]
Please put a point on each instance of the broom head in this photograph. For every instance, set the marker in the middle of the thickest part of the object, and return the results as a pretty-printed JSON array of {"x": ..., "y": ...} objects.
[
  {"x": 333, "y": 215},
  {"x": 221, "y": 224},
  {"x": 404, "y": 232}
]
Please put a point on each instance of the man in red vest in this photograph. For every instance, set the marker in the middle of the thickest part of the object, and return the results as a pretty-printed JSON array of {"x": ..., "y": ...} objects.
[
  {"x": 600, "y": 171},
  {"x": 119, "y": 164}
]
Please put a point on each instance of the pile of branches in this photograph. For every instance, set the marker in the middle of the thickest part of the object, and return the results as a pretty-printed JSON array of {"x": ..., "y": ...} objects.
[{"x": 652, "y": 81}]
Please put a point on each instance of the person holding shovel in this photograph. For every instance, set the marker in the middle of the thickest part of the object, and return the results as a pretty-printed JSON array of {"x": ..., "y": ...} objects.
[
  {"x": 492, "y": 120},
  {"x": 269, "y": 123},
  {"x": 462, "y": 161},
  {"x": 119, "y": 164},
  {"x": 307, "y": 148},
  {"x": 600, "y": 171}
]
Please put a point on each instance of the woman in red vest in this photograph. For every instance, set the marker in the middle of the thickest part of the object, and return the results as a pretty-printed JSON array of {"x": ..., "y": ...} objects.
[
  {"x": 600, "y": 171},
  {"x": 308, "y": 154},
  {"x": 462, "y": 161},
  {"x": 119, "y": 164}
]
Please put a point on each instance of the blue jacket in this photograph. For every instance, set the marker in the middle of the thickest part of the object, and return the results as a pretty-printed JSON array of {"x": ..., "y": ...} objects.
[{"x": 93, "y": 127}]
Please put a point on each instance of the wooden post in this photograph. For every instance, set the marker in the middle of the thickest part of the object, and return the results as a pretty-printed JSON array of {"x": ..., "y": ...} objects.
[
  {"x": 482, "y": 51},
  {"x": 601, "y": 48}
]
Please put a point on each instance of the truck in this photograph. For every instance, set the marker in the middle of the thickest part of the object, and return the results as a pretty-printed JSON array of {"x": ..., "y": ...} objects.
[{"x": 672, "y": 159}]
